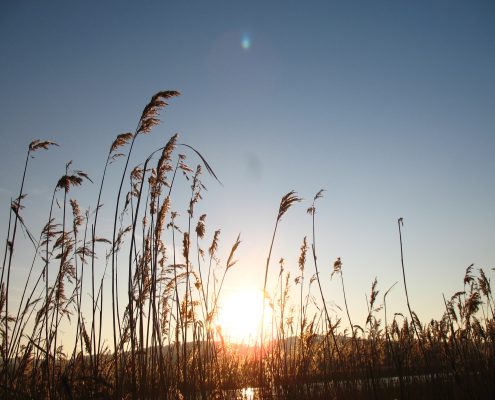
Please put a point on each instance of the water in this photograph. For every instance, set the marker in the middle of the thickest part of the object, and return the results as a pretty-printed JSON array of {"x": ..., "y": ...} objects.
[{"x": 247, "y": 393}]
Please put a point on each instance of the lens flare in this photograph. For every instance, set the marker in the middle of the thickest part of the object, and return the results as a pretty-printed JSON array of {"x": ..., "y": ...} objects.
[{"x": 246, "y": 41}]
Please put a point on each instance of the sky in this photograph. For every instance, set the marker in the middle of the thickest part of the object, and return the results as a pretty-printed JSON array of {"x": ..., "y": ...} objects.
[{"x": 387, "y": 105}]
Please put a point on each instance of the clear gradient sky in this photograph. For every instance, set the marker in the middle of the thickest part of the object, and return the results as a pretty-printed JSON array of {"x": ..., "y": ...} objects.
[{"x": 388, "y": 105}]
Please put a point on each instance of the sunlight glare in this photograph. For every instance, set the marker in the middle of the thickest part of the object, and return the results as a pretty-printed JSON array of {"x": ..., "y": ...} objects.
[{"x": 239, "y": 316}]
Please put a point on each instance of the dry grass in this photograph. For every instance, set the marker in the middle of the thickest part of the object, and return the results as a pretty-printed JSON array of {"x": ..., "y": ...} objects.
[{"x": 164, "y": 343}]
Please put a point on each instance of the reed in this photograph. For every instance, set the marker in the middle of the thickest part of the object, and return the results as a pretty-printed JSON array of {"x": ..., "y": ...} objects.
[{"x": 164, "y": 341}]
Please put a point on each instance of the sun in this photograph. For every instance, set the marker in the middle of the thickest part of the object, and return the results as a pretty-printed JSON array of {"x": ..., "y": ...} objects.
[{"x": 239, "y": 315}]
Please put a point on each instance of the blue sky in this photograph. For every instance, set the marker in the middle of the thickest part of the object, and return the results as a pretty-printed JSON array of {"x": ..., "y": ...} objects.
[{"x": 388, "y": 105}]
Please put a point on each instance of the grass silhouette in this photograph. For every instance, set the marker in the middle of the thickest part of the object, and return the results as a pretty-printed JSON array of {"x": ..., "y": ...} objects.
[{"x": 165, "y": 343}]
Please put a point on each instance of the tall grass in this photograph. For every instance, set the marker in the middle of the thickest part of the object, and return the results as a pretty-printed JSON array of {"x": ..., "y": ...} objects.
[{"x": 163, "y": 339}]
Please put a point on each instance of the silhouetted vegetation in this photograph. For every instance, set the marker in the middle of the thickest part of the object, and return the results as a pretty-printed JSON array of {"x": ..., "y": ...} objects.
[{"x": 164, "y": 342}]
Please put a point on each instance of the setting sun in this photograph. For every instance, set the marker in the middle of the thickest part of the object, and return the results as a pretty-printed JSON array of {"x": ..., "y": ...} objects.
[{"x": 239, "y": 315}]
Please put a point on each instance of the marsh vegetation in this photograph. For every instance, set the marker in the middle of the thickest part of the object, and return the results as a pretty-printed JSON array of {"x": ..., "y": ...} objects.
[{"x": 164, "y": 340}]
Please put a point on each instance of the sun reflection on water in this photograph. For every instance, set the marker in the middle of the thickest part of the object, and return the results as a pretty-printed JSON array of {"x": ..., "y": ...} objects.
[{"x": 247, "y": 393}]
